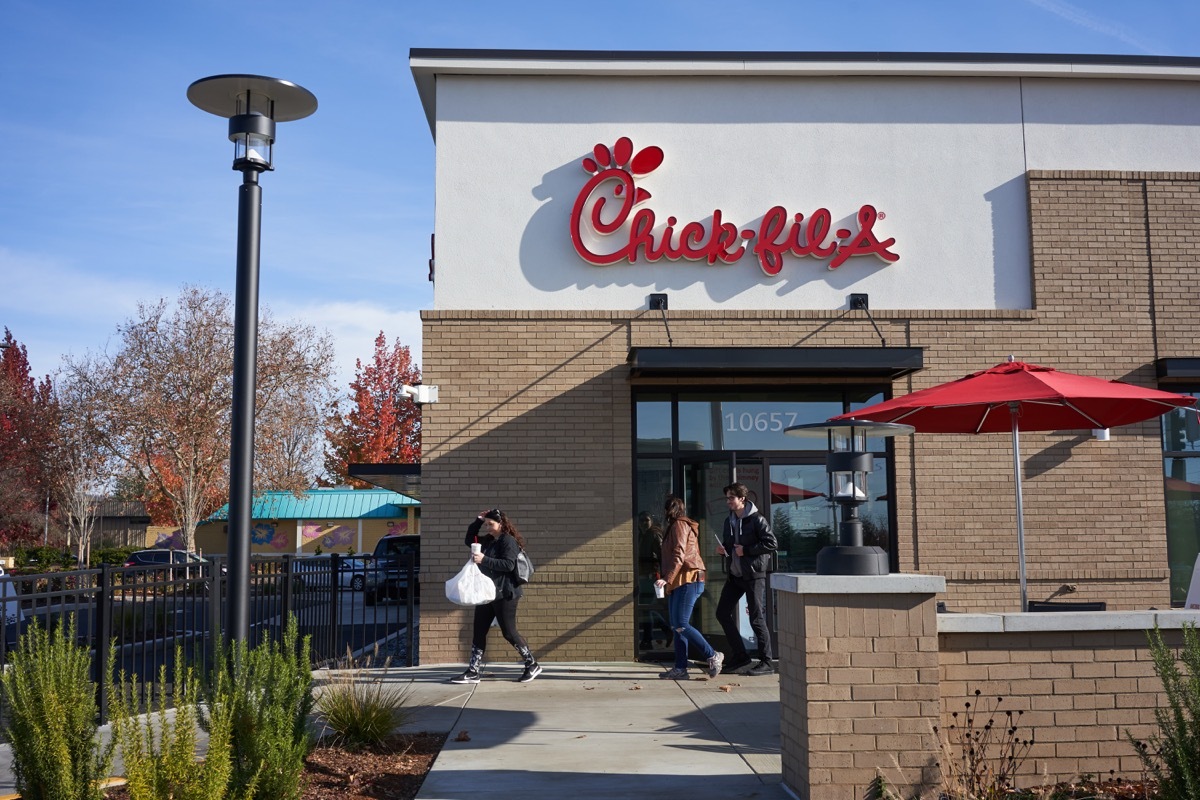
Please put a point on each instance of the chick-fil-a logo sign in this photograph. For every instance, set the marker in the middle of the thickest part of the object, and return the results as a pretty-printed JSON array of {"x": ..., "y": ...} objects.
[{"x": 778, "y": 234}]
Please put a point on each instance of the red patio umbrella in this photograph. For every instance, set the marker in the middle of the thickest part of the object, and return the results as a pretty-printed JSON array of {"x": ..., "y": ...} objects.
[
  {"x": 786, "y": 493},
  {"x": 1016, "y": 396},
  {"x": 1180, "y": 486}
]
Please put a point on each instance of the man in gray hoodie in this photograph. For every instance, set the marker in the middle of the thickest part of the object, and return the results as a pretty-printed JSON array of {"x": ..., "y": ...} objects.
[{"x": 747, "y": 545}]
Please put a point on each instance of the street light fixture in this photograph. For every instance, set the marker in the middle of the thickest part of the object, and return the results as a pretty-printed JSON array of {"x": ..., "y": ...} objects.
[
  {"x": 252, "y": 104},
  {"x": 849, "y": 465}
]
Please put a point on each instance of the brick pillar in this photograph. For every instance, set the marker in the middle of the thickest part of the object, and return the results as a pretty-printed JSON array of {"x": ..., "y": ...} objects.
[{"x": 858, "y": 682}]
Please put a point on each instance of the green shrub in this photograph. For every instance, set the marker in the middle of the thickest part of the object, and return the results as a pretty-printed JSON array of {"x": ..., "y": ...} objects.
[
  {"x": 42, "y": 559},
  {"x": 159, "y": 750},
  {"x": 113, "y": 555},
  {"x": 270, "y": 698},
  {"x": 1173, "y": 752},
  {"x": 52, "y": 717},
  {"x": 359, "y": 706}
]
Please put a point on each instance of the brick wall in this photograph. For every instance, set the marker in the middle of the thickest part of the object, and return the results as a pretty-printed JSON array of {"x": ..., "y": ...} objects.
[
  {"x": 534, "y": 415},
  {"x": 858, "y": 688},
  {"x": 1079, "y": 693},
  {"x": 867, "y": 669}
]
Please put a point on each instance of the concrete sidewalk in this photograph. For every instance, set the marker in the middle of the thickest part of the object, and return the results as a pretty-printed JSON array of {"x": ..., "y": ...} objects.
[
  {"x": 583, "y": 731},
  {"x": 589, "y": 732}
]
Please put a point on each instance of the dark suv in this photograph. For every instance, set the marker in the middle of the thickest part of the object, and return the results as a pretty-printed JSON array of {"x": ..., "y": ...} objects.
[
  {"x": 387, "y": 573},
  {"x": 162, "y": 558},
  {"x": 182, "y": 563}
]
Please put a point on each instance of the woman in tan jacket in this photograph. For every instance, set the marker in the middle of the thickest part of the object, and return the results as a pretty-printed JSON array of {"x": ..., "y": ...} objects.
[{"x": 683, "y": 576}]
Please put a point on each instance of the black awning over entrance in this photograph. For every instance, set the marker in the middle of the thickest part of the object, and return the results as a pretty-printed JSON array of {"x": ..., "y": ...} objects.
[
  {"x": 1178, "y": 370},
  {"x": 775, "y": 362},
  {"x": 402, "y": 478}
]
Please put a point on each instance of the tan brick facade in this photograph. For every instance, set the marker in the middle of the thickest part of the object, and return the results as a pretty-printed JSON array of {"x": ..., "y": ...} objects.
[
  {"x": 858, "y": 681},
  {"x": 875, "y": 683},
  {"x": 1079, "y": 692},
  {"x": 535, "y": 416}
]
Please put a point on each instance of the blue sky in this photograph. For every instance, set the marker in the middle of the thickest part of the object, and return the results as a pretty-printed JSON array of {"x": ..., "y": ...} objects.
[{"x": 114, "y": 189}]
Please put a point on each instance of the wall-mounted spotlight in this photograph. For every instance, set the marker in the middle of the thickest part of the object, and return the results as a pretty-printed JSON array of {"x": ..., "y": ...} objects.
[{"x": 422, "y": 394}]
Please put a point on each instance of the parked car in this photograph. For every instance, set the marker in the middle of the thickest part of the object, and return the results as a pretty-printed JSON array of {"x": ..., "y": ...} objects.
[
  {"x": 353, "y": 574},
  {"x": 179, "y": 560},
  {"x": 386, "y": 574}
]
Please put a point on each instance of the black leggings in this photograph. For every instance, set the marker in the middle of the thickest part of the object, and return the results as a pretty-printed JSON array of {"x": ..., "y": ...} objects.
[{"x": 506, "y": 612}]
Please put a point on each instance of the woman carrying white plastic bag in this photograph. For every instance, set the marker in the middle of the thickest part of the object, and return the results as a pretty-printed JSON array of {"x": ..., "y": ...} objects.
[
  {"x": 470, "y": 587},
  {"x": 499, "y": 542}
]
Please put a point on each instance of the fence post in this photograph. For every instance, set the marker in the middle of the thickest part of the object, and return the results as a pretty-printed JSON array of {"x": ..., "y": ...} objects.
[
  {"x": 335, "y": 611},
  {"x": 101, "y": 634},
  {"x": 411, "y": 607},
  {"x": 289, "y": 574},
  {"x": 216, "y": 594}
]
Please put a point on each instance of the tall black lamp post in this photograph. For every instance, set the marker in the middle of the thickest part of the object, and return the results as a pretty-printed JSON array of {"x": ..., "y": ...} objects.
[
  {"x": 849, "y": 465},
  {"x": 252, "y": 104}
]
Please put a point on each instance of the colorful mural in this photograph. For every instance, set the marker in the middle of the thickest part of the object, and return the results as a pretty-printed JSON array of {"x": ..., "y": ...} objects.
[
  {"x": 330, "y": 536},
  {"x": 170, "y": 541},
  {"x": 262, "y": 533}
]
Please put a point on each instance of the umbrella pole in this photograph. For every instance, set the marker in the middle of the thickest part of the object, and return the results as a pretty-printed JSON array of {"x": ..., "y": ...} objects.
[{"x": 1016, "y": 447}]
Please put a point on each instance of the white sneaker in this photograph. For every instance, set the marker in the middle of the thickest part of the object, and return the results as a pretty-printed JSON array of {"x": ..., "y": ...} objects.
[{"x": 714, "y": 664}]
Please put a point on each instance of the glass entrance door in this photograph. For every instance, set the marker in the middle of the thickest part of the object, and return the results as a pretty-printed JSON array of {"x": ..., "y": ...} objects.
[
  {"x": 704, "y": 482},
  {"x": 800, "y": 513}
]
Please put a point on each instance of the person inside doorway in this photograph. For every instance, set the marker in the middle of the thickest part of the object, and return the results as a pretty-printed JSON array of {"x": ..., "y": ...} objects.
[
  {"x": 747, "y": 545},
  {"x": 653, "y": 610}
]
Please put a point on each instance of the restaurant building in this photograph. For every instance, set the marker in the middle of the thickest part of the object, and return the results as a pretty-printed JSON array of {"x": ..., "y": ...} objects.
[{"x": 648, "y": 265}]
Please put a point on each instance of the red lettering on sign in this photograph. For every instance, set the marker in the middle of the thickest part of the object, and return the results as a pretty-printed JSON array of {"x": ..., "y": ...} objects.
[{"x": 606, "y": 205}]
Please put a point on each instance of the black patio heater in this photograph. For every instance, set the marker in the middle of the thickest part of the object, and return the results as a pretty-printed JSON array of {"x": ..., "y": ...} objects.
[
  {"x": 849, "y": 464},
  {"x": 252, "y": 104}
]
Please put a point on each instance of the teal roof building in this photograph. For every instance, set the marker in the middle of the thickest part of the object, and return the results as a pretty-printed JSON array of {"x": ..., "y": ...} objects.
[{"x": 326, "y": 504}]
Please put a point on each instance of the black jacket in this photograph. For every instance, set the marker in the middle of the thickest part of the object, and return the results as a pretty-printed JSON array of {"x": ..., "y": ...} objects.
[
  {"x": 757, "y": 540},
  {"x": 499, "y": 560}
]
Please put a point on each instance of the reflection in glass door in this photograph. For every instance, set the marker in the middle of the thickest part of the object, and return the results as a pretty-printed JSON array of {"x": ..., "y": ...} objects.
[
  {"x": 654, "y": 482},
  {"x": 704, "y": 483},
  {"x": 801, "y": 514}
]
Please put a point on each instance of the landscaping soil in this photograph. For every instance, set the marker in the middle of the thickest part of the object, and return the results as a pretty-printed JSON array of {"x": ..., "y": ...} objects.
[{"x": 394, "y": 770}]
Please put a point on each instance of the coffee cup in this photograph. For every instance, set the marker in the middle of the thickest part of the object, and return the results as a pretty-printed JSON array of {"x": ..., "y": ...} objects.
[
  {"x": 476, "y": 547},
  {"x": 660, "y": 591}
]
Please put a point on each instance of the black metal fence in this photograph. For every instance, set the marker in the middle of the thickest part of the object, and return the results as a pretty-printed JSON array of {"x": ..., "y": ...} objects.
[{"x": 348, "y": 607}]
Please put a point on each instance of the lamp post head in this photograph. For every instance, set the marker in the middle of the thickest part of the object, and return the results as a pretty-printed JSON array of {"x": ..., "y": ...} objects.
[
  {"x": 252, "y": 104},
  {"x": 849, "y": 464}
]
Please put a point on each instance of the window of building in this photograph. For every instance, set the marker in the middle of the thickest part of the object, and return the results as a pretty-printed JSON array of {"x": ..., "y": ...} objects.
[{"x": 1181, "y": 479}]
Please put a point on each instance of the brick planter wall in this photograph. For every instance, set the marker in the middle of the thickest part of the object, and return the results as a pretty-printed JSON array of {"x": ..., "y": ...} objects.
[{"x": 867, "y": 668}]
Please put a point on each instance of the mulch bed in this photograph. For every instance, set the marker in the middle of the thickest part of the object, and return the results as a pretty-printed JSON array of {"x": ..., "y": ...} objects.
[{"x": 393, "y": 771}]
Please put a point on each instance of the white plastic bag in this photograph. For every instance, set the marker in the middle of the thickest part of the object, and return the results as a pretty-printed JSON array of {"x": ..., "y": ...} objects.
[{"x": 470, "y": 587}]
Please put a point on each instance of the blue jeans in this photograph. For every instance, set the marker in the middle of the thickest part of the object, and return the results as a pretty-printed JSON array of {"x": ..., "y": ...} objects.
[{"x": 679, "y": 605}]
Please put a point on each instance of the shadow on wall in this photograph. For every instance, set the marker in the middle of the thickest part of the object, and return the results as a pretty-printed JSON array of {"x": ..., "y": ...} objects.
[{"x": 549, "y": 444}]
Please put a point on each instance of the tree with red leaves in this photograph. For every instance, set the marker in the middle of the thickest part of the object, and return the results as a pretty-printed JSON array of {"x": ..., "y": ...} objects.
[
  {"x": 28, "y": 416},
  {"x": 382, "y": 425}
]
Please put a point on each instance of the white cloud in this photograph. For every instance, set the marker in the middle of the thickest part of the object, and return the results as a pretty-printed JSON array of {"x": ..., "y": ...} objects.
[
  {"x": 1077, "y": 16},
  {"x": 54, "y": 308}
]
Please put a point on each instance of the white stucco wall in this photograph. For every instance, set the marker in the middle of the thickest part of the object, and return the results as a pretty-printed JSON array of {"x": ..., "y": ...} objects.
[{"x": 943, "y": 158}]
